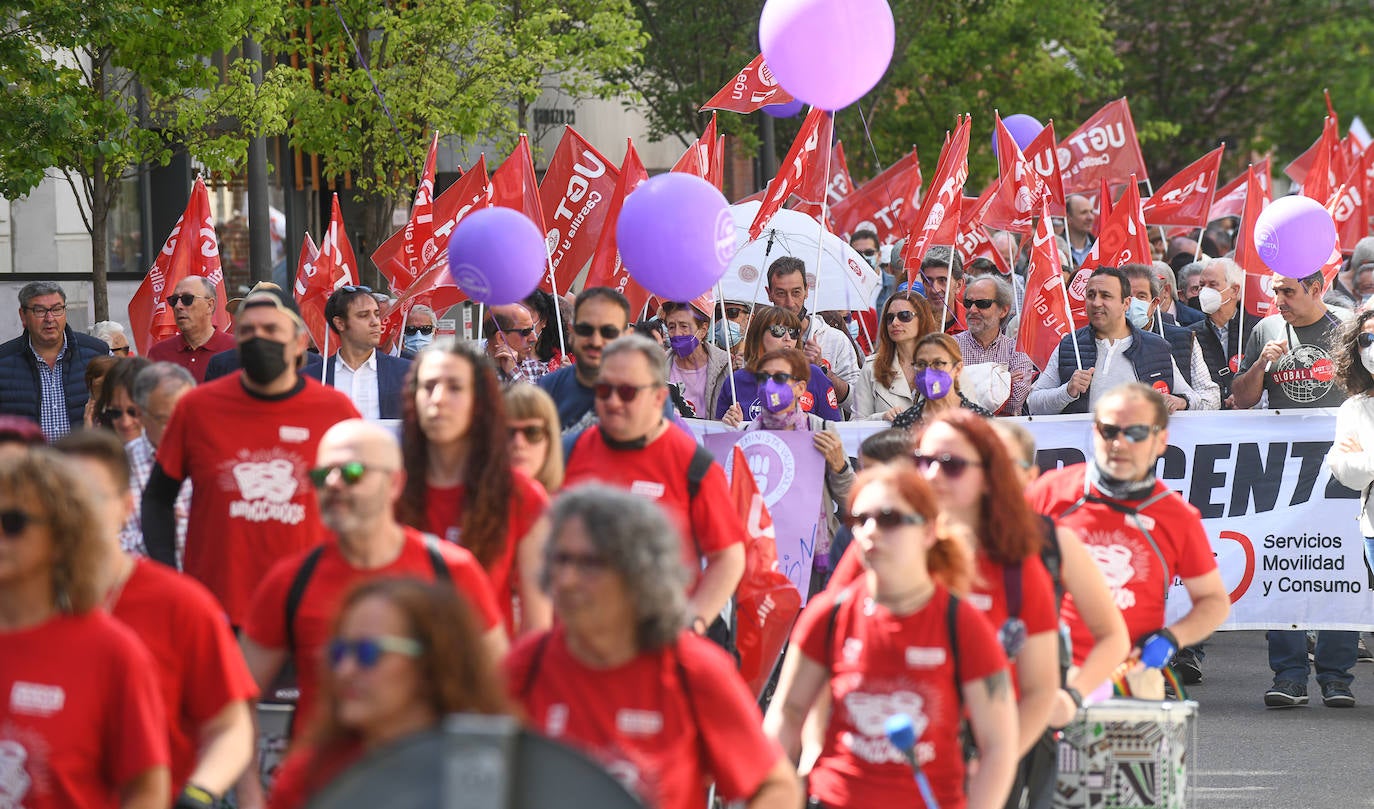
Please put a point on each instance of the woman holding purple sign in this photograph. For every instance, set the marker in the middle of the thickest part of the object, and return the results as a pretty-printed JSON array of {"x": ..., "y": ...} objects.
[{"x": 772, "y": 328}]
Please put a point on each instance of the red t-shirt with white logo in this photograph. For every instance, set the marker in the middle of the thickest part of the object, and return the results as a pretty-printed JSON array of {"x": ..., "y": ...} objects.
[
  {"x": 81, "y": 715},
  {"x": 662, "y": 738},
  {"x": 708, "y": 522},
  {"x": 1123, "y": 554},
  {"x": 527, "y": 503},
  {"x": 883, "y": 664},
  {"x": 248, "y": 459},
  {"x": 200, "y": 669},
  {"x": 331, "y": 580}
]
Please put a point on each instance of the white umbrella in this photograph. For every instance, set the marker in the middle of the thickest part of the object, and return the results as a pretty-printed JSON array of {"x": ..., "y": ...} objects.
[{"x": 845, "y": 280}]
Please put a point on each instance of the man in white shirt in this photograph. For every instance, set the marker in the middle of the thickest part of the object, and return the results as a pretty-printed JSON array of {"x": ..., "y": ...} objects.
[
  {"x": 824, "y": 346},
  {"x": 374, "y": 381}
]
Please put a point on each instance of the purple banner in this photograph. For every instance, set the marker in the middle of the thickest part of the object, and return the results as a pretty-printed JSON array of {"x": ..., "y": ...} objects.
[{"x": 789, "y": 472}]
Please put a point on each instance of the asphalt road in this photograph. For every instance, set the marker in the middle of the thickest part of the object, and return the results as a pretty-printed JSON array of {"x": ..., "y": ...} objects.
[{"x": 1249, "y": 756}]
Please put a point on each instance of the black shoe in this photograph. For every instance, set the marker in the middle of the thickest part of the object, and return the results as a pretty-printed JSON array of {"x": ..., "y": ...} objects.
[
  {"x": 1287, "y": 694},
  {"x": 1336, "y": 694},
  {"x": 1187, "y": 668},
  {"x": 1362, "y": 653}
]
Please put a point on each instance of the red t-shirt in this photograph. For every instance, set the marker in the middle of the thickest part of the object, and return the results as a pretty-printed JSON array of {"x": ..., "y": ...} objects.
[
  {"x": 882, "y": 664},
  {"x": 248, "y": 459},
  {"x": 81, "y": 714},
  {"x": 331, "y": 580},
  {"x": 306, "y": 771},
  {"x": 708, "y": 522},
  {"x": 200, "y": 669},
  {"x": 1123, "y": 554},
  {"x": 663, "y": 739},
  {"x": 528, "y": 501},
  {"x": 196, "y": 360}
]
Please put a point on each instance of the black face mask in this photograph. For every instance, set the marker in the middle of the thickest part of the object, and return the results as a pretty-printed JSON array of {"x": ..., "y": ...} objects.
[{"x": 262, "y": 359}]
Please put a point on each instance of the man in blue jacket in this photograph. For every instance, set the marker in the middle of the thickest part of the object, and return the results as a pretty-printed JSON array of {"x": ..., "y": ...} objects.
[
  {"x": 375, "y": 381},
  {"x": 43, "y": 370}
]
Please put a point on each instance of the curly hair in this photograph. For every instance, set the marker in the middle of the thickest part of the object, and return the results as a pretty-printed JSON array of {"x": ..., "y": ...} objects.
[
  {"x": 640, "y": 545},
  {"x": 764, "y": 317},
  {"x": 48, "y": 488},
  {"x": 1350, "y": 371},
  {"x": 887, "y": 349},
  {"x": 947, "y": 561},
  {"x": 486, "y": 471}
]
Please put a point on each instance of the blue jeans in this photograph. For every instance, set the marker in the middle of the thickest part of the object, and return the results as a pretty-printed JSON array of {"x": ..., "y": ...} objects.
[{"x": 1335, "y": 655}]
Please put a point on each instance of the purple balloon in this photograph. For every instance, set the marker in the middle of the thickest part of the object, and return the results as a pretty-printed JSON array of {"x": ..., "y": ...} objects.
[
  {"x": 787, "y": 110},
  {"x": 496, "y": 256},
  {"x": 676, "y": 235},
  {"x": 1294, "y": 236},
  {"x": 827, "y": 53},
  {"x": 1023, "y": 129}
]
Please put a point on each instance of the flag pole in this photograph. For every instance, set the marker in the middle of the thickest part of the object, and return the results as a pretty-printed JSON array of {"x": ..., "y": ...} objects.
[
  {"x": 720, "y": 302},
  {"x": 1073, "y": 327},
  {"x": 949, "y": 287},
  {"x": 557, "y": 310},
  {"x": 1150, "y": 187},
  {"x": 820, "y": 226},
  {"x": 1011, "y": 263}
]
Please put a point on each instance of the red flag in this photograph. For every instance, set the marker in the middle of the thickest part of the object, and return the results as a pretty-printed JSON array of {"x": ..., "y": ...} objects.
[
  {"x": 575, "y": 195},
  {"x": 150, "y": 318},
  {"x": 1324, "y": 173},
  {"x": 1104, "y": 146},
  {"x": 766, "y": 603},
  {"x": 1043, "y": 154},
  {"x": 890, "y": 201},
  {"x": 697, "y": 159},
  {"x": 1104, "y": 200},
  {"x": 607, "y": 269},
  {"x": 1230, "y": 200},
  {"x": 839, "y": 187},
  {"x": 803, "y": 171},
  {"x": 1326, "y": 148},
  {"x": 472, "y": 191},
  {"x": 1259, "y": 300},
  {"x": 316, "y": 280},
  {"x": 1045, "y": 318},
  {"x": 1123, "y": 238},
  {"x": 1350, "y": 207},
  {"x": 418, "y": 234},
  {"x": 752, "y": 89},
  {"x": 717, "y": 173},
  {"x": 1187, "y": 197},
  {"x": 938, "y": 220},
  {"x": 514, "y": 185},
  {"x": 1017, "y": 194}
]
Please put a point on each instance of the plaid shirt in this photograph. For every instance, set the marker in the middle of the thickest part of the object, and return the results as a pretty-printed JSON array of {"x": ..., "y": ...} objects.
[
  {"x": 532, "y": 369},
  {"x": 142, "y": 456},
  {"x": 1002, "y": 350},
  {"x": 53, "y": 407}
]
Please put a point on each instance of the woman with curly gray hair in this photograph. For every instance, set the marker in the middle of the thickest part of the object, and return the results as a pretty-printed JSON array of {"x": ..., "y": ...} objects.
[{"x": 621, "y": 677}]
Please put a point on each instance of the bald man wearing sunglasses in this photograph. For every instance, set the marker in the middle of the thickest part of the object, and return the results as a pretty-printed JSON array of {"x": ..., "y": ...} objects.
[{"x": 1140, "y": 532}]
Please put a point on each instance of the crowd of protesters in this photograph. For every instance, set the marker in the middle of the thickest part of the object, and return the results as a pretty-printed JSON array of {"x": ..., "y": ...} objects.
[{"x": 493, "y": 526}]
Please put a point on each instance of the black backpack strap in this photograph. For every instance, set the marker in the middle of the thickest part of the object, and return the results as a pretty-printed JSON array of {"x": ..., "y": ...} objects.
[
  {"x": 297, "y": 591},
  {"x": 1012, "y": 586},
  {"x": 697, "y": 469},
  {"x": 1053, "y": 559},
  {"x": 952, "y": 620},
  {"x": 436, "y": 559}
]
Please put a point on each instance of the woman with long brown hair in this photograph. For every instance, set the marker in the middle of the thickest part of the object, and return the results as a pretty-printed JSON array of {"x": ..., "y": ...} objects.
[
  {"x": 460, "y": 484},
  {"x": 887, "y": 384},
  {"x": 939, "y": 360},
  {"x": 405, "y": 654},
  {"x": 772, "y": 328}
]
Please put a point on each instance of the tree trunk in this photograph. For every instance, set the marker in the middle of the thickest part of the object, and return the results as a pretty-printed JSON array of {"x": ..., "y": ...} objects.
[{"x": 100, "y": 215}]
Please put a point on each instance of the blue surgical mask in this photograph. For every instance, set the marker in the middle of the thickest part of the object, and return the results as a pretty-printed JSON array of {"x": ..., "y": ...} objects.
[
  {"x": 854, "y": 328},
  {"x": 724, "y": 328},
  {"x": 934, "y": 383},
  {"x": 1139, "y": 313},
  {"x": 415, "y": 342}
]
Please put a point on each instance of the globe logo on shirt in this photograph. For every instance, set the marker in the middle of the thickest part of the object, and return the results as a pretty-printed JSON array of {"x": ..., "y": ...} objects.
[{"x": 1305, "y": 374}]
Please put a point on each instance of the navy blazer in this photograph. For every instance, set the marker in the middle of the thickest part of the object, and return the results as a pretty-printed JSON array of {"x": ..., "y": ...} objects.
[
  {"x": 1187, "y": 315},
  {"x": 391, "y": 380}
]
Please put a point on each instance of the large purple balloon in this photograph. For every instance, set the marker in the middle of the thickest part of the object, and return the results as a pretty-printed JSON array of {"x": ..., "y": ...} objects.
[
  {"x": 827, "y": 53},
  {"x": 676, "y": 235},
  {"x": 1294, "y": 236},
  {"x": 787, "y": 110},
  {"x": 496, "y": 256},
  {"x": 1023, "y": 129}
]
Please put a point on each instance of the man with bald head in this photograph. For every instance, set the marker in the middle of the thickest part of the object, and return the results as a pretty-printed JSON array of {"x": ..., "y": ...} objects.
[
  {"x": 197, "y": 340},
  {"x": 358, "y": 478},
  {"x": 510, "y": 337}
]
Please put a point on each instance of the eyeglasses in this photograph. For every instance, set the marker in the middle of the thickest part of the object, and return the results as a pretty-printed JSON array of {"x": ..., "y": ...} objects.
[
  {"x": 368, "y": 651},
  {"x": 185, "y": 299},
  {"x": 112, "y": 414},
  {"x": 584, "y": 562},
  {"x": 42, "y": 312},
  {"x": 122, "y": 351},
  {"x": 938, "y": 365},
  {"x": 14, "y": 521},
  {"x": 886, "y": 518},
  {"x": 778, "y": 377},
  {"x": 779, "y": 330},
  {"x": 525, "y": 332},
  {"x": 732, "y": 312},
  {"x": 981, "y": 303},
  {"x": 1365, "y": 339},
  {"x": 951, "y": 465},
  {"x": 425, "y": 330},
  {"x": 627, "y": 393},
  {"x": 532, "y": 433},
  {"x": 1134, "y": 433},
  {"x": 350, "y": 472},
  {"x": 906, "y": 316},
  {"x": 351, "y": 288},
  {"x": 587, "y": 330}
]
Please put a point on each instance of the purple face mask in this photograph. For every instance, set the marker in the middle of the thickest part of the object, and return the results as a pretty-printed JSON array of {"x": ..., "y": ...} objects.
[
  {"x": 684, "y": 344},
  {"x": 777, "y": 396},
  {"x": 934, "y": 383}
]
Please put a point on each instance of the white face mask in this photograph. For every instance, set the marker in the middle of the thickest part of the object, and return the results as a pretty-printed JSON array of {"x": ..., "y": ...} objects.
[
  {"x": 1367, "y": 358},
  {"x": 1139, "y": 313},
  {"x": 1208, "y": 300}
]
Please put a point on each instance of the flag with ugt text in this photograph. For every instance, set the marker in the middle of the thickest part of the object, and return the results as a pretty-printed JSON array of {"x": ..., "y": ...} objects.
[
  {"x": 607, "y": 269},
  {"x": 192, "y": 248},
  {"x": 1350, "y": 209},
  {"x": 471, "y": 192},
  {"x": 1045, "y": 317},
  {"x": 752, "y": 89},
  {"x": 316, "y": 281},
  {"x": 418, "y": 234},
  {"x": 575, "y": 196},
  {"x": 802, "y": 172},
  {"x": 839, "y": 187},
  {"x": 938, "y": 220},
  {"x": 1019, "y": 187},
  {"x": 1186, "y": 199},
  {"x": 1258, "y": 295},
  {"x": 1123, "y": 238},
  {"x": 1104, "y": 146},
  {"x": 973, "y": 241},
  {"x": 1043, "y": 154},
  {"x": 889, "y": 201}
]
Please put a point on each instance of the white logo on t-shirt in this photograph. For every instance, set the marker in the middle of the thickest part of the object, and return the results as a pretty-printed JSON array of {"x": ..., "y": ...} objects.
[
  {"x": 557, "y": 719},
  {"x": 1115, "y": 563},
  {"x": 638, "y": 723},
  {"x": 869, "y": 714},
  {"x": 647, "y": 488},
  {"x": 267, "y": 482},
  {"x": 293, "y": 435},
  {"x": 34, "y": 699},
  {"x": 14, "y": 780}
]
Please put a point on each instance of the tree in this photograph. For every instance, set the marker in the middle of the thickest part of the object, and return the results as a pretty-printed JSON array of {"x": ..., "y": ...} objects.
[
  {"x": 464, "y": 69},
  {"x": 97, "y": 90}
]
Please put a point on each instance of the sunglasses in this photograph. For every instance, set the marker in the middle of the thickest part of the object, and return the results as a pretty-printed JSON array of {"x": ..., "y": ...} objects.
[
  {"x": 368, "y": 651},
  {"x": 886, "y": 518},
  {"x": 350, "y": 472},
  {"x": 525, "y": 332},
  {"x": 587, "y": 330},
  {"x": 952, "y": 466},
  {"x": 584, "y": 562},
  {"x": 1365, "y": 339},
  {"x": 906, "y": 316},
  {"x": 1135, "y": 433},
  {"x": 778, "y": 377},
  {"x": 13, "y": 522},
  {"x": 351, "y": 288},
  {"x": 981, "y": 303},
  {"x": 112, "y": 414},
  {"x": 122, "y": 351},
  {"x": 533, "y": 433},
  {"x": 868, "y": 252},
  {"x": 185, "y": 299},
  {"x": 733, "y": 312},
  {"x": 411, "y": 331},
  {"x": 779, "y": 330},
  {"x": 627, "y": 393}
]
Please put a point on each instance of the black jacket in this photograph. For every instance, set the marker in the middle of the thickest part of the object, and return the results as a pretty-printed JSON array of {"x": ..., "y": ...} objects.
[{"x": 21, "y": 390}]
